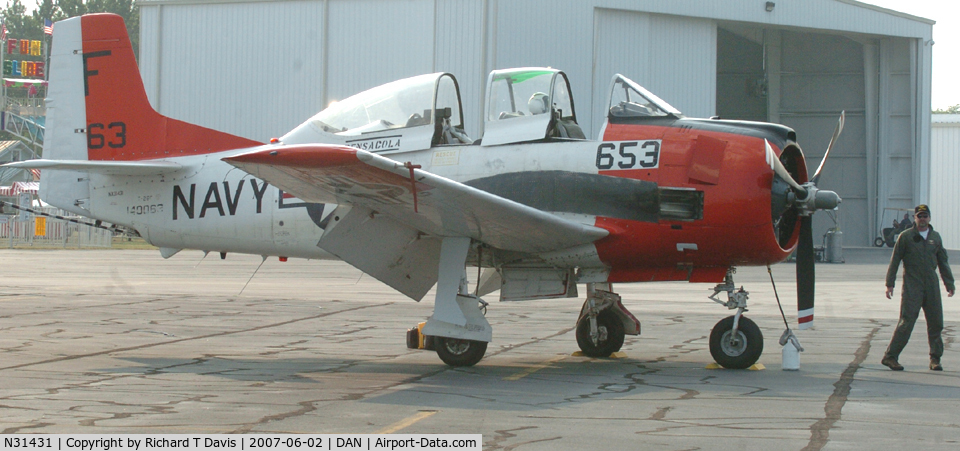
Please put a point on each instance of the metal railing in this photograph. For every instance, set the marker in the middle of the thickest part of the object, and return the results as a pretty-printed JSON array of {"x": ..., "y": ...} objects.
[
  {"x": 30, "y": 230},
  {"x": 24, "y": 127}
]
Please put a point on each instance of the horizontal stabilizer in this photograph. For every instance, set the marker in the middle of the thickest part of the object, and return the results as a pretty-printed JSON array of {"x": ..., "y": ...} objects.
[
  {"x": 138, "y": 168},
  {"x": 424, "y": 201}
]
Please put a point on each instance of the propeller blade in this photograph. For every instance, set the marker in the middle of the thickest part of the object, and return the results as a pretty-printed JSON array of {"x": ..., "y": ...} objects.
[
  {"x": 779, "y": 169},
  {"x": 833, "y": 140},
  {"x": 805, "y": 273}
]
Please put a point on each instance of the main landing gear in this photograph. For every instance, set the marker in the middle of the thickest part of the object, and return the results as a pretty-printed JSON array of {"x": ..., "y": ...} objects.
[
  {"x": 603, "y": 322},
  {"x": 735, "y": 341}
]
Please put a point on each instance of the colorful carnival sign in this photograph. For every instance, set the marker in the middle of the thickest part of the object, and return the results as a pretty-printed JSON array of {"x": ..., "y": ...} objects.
[{"x": 20, "y": 67}]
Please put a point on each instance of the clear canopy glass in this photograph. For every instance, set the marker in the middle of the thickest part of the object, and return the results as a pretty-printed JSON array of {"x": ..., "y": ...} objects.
[
  {"x": 628, "y": 99},
  {"x": 527, "y": 92},
  {"x": 403, "y": 103}
]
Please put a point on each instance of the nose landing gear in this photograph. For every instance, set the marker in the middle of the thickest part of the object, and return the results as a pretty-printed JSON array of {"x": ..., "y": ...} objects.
[{"x": 735, "y": 341}]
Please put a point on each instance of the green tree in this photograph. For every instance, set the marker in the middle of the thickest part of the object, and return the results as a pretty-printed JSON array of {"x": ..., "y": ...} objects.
[
  {"x": 949, "y": 110},
  {"x": 25, "y": 26},
  {"x": 18, "y": 23}
]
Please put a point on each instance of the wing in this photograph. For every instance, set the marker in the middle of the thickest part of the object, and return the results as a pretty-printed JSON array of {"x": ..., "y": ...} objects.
[
  {"x": 133, "y": 168},
  {"x": 442, "y": 208}
]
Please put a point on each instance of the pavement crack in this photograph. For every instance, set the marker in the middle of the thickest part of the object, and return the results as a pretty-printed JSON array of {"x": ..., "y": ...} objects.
[
  {"x": 534, "y": 341},
  {"x": 199, "y": 337},
  {"x": 833, "y": 409},
  {"x": 305, "y": 408},
  {"x": 661, "y": 413},
  {"x": 505, "y": 434}
]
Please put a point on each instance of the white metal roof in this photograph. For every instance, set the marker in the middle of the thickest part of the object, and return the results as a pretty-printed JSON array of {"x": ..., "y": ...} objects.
[
  {"x": 945, "y": 119},
  {"x": 839, "y": 15}
]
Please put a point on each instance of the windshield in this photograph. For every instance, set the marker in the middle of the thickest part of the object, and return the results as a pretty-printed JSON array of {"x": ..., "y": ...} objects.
[
  {"x": 403, "y": 103},
  {"x": 629, "y": 99}
]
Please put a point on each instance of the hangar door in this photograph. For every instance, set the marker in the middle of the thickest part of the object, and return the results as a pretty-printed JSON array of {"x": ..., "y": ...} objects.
[
  {"x": 804, "y": 80},
  {"x": 671, "y": 56}
]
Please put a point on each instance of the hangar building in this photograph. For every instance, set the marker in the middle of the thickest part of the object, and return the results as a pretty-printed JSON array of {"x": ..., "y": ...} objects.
[{"x": 257, "y": 68}]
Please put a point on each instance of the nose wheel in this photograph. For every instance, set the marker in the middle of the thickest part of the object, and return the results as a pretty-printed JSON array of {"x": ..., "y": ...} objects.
[
  {"x": 736, "y": 348},
  {"x": 735, "y": 341}
]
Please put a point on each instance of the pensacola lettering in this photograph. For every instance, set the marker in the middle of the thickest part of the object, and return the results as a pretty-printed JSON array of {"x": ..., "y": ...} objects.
[{"x": 381, "y": 144}]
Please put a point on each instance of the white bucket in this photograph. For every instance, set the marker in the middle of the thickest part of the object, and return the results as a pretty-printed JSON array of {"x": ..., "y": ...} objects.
[{"x": 791, "y": 357}]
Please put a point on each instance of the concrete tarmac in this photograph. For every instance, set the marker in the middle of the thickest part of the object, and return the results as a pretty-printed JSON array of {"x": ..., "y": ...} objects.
[{"x": 109, "y": 341}]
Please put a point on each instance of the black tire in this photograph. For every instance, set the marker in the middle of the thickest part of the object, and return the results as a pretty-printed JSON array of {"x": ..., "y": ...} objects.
[
  {"x": 611, "y": 335},
  {"x": 742, "y": 354},
  {"x": 878, "y": 242},
  {"x": 457, "y": 352}
]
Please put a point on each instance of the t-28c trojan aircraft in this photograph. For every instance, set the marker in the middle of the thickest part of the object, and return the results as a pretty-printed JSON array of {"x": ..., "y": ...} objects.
[{"x": 388, "y": 182}]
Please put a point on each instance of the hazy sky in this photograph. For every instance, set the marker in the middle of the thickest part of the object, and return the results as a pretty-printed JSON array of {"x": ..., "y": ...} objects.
[{"x": 946, "y": 48}]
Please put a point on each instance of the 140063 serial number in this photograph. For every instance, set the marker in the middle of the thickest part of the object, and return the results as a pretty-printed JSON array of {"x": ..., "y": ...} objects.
[{"x": 289, "y": 442}]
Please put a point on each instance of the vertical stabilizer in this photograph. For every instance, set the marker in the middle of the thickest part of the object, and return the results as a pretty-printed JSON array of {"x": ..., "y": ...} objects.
[
  {"x": 97, "y": 109},
  {"x": 121, "y": 124}
]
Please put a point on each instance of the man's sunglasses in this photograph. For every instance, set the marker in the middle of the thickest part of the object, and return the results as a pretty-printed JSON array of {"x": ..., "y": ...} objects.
[{"x": 923, "y": 216}]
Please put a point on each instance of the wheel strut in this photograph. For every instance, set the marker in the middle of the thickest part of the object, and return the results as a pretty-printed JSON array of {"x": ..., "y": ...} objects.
[
  {"x": 736, "y": 300},
  {"x": 735, "y": 341}
]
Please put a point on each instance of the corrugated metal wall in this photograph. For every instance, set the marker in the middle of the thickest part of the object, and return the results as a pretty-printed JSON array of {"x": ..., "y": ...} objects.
[
  {"x": 459, "y": 50},
  {"x": 259, "y": 68},
  {"x": 371, "y": 42},
  {"x": 299, "y": 55},
  {"x": 944, "y": 183},
  {"x": 244, "y": 68},
  {"x": 673, "y": 57}
]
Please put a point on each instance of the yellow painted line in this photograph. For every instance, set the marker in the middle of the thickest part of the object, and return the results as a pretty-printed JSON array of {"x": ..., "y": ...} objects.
[
  {"x": 407, "y": 421},
  {"x": 534, "y": 368}
]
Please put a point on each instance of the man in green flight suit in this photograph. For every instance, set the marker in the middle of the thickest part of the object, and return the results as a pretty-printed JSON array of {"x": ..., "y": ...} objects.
[{"x": 921, "y": 251}]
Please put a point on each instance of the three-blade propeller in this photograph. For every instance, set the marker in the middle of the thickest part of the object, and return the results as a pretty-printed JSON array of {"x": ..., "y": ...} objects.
[{"x": 805, "y": 200}]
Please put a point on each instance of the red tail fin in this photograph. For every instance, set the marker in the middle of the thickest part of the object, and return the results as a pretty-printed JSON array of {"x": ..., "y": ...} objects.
[{"x": 121, "y": 124}]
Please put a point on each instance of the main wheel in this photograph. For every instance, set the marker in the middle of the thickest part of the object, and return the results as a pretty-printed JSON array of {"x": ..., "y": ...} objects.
[
  {"x": 878, "y": 242},
  {"x": 738, "y": 351},
  {"x": 457, "y": 352},
  {"x": 611, "y": 335}
]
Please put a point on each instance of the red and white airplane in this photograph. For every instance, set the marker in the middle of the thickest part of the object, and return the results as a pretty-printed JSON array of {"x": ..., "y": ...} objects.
[{"x": 388, "y": 181}]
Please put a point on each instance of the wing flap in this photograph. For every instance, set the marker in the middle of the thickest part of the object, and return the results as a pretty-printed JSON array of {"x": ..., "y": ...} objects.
[{"x": 443, "y": 207}]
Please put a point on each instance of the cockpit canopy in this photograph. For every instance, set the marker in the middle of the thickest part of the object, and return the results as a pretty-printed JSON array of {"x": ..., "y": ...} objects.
[
  {"x": 523, "y": 105},
  {"x": 418, "y": 112},
  {"x": 630, "y": 100},
  {"x": 529, "y": 104}
]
